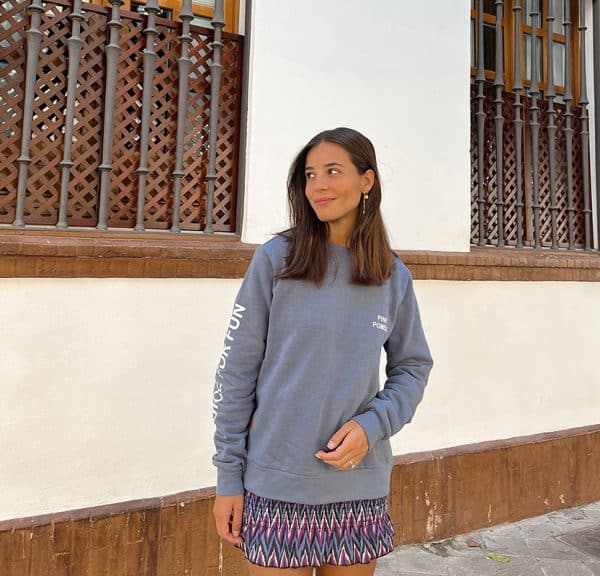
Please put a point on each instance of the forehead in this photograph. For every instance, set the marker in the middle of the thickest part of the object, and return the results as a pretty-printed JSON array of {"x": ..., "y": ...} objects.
[{"x": 325, "y": 152}]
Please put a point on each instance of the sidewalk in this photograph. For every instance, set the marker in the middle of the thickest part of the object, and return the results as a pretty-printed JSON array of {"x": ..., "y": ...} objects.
[{"x": 561, "y": 543}]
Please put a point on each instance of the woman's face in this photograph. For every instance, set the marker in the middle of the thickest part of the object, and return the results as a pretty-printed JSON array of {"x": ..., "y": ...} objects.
[{"x": 330, "y": 174}]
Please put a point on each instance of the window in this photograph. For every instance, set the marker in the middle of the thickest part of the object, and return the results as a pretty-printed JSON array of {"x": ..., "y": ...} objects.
[
  {"x": 162, "y": 12},
  {"x": 203, "y": 11},
  {"x": 530, "y": 165},
  {"x": 525, "y": 33}
]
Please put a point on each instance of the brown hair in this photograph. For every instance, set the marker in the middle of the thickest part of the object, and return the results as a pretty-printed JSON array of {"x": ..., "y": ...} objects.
[{"x": 372, "y": 256}]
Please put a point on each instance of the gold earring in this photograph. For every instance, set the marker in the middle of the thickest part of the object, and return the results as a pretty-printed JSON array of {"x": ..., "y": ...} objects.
[{"x": 365, "y": 198}]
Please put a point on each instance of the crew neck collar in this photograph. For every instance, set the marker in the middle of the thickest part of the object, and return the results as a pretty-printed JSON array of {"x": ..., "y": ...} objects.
[{"x": 337, "y": 246}]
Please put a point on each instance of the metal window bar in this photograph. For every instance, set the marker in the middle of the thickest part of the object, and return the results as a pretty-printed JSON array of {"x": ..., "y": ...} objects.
[
  {"x": 596, "y": 79},
  {"x": 530, "y": 168},
  {"x": 134, "y": 132}
]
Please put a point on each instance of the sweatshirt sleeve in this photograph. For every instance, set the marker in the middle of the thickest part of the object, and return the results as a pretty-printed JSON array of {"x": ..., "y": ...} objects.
[
  {"x": 409, "y": 363},
  {"x": 237, "y": 372}
]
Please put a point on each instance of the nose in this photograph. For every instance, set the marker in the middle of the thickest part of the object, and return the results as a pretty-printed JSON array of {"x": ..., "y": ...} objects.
[{"x": 319, "y": 182}]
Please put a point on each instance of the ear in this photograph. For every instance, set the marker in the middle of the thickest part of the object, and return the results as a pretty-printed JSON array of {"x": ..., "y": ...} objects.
[{"x": 368, "y": 179}]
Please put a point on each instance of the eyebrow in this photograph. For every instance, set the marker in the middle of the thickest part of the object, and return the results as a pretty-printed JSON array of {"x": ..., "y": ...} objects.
[{"x": 328, "y": 164}]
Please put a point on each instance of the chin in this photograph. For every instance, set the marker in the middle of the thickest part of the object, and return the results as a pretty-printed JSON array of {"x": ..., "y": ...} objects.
[{"x": 322, "y": 217}]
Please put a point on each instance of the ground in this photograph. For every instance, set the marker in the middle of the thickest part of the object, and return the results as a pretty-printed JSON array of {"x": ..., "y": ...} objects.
[{"x": 561, "y": 543}]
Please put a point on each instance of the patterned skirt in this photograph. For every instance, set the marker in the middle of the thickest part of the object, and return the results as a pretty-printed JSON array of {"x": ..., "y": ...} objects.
[{"x": 283, "y": 534}]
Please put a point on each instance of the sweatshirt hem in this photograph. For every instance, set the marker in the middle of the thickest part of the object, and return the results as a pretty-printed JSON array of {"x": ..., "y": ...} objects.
[{"x": 334, "y": 486}]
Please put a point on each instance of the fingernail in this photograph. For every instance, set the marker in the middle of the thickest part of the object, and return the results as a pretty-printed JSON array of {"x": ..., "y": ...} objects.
[
  {"x": 331, "y": 445},
  {"x": 318, "y": 455},
  {"x": 236, "y": 533}
]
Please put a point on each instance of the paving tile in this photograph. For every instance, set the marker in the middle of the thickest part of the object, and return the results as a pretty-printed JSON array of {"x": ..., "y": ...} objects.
[
  {"x": 533, "y": 546},
  {"x": 412, "y": 574},
  {"x": 520, "y": 567},
  {"x": 554, "y": 567},
  {"x": 387, "y": 565},
  {"x": 551, "y": 548},
  {"x": 593, "y": 565},
  {"x": 505, "y": 529},
  {"x": 592, "y": 513},
  {"x": 450, "y": 547},
  {"x": 586, "y": 540},
  {"x": 513, "y": 545},
  {"x": 416, "y": 559},
  {"x": 570, "y": 519},
  {"x": 477, "y": 566},
  {"x": 591, "y": 506},
  {"x": 538, "y": 527}
]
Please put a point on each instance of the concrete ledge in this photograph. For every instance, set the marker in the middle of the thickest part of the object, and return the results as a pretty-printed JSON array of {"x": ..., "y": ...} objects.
[{"x": 53, "y": 254}]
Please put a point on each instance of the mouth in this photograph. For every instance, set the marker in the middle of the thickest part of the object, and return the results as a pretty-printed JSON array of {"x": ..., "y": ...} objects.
[{"x": 324, "y": 201}]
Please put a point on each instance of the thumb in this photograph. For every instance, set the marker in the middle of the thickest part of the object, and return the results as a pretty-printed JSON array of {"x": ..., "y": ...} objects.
[{"x": 337, "y": 438}]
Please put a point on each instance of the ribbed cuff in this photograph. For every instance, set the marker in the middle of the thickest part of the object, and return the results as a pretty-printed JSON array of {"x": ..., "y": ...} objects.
[
  {"x": 370, "y": 424},
  {"x": 229, "y": 483}
]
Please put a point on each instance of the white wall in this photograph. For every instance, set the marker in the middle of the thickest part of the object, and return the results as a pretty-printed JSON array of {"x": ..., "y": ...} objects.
[
  {"x": 107, "y": 383},
  {"x": 399, "y": 73}
]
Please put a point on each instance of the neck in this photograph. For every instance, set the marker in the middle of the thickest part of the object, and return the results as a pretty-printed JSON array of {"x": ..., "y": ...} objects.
[{"x": 338, "y": 236}]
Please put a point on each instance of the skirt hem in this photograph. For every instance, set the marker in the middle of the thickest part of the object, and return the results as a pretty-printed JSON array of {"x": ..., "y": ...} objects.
[
  {"x": 279, "y": 534},
  {"x": 311, "y": 565}
]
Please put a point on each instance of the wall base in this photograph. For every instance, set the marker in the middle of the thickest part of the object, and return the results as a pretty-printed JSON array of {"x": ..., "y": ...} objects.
[{"x": 434, "y": 495}]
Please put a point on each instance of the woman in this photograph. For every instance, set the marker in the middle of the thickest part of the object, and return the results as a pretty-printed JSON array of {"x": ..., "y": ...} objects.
[{"x": 302, "y": 435}]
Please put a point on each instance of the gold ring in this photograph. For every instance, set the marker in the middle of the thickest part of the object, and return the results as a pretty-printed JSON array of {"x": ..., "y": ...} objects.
[{"x": 352, "y": 464}]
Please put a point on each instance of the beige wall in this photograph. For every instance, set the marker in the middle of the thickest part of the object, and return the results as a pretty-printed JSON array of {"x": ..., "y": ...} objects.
[{"x": 107, "y": 384}]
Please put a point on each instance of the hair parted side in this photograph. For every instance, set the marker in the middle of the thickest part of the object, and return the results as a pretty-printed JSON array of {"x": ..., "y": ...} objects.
[{"x": 372, "y": 256}]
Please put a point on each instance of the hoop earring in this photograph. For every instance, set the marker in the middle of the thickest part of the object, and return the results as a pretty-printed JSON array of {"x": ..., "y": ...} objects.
[{"x": 365, "y": 198}]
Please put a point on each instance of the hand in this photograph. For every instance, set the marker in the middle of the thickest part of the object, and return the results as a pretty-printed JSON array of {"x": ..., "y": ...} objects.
[
  {"x": 228, "y": 517},
  {"x": 351, "y": 446}
]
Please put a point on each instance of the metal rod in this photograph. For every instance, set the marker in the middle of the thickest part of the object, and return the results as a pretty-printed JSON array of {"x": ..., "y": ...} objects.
[
  {"x": 499, "y": 121},
  {"x": 585, "y": 129},
  {"x": 568, "y": 130},
  {"x": 183, "y": 65},
  {"x": 551, "y": 128},
  {"x": 596, "y": 47},
  {"x": 480, "y": 115},
  {"x": 518, "y": 122},
  {"x": 534, "y": 123},
  {"x": 75, "y": 44},
  {"x": 216, "y": 69},
  {"x": 149, "y": 65},
  {"x": 34, "y": 39},
  {"x": 112, "y": 51}
]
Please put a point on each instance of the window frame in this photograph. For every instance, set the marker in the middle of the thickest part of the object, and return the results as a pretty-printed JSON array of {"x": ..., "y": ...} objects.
[
  {"x": 542, "y": 32},
  {"x": 231, "y": 9}
]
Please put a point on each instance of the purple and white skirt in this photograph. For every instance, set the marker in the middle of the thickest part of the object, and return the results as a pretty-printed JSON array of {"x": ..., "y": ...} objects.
[{"x": 283, "y": 534}]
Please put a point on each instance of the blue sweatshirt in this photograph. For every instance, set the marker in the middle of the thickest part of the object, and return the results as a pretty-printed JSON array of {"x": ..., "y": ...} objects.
[{"x": 298, "y": 362}]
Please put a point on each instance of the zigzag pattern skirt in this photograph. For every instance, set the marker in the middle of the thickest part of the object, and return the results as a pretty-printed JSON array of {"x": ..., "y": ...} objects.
[{"x": 283, "y": 534}]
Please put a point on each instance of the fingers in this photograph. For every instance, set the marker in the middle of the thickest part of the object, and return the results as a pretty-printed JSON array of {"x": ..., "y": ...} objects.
[
  {"x": 228, "y": 511},
  {"x": 342, "y": 461},
  {"x": 339, "y": 436},
  {"x": 353, "y": 447},
  {"x": 236, "y": 524},
  {"x": 222, "y": 525},
  {"x": 341, "y": 456}
]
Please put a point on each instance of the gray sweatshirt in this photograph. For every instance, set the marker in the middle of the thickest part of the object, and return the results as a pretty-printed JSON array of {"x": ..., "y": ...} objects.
[{"x": 298, "y": 362}]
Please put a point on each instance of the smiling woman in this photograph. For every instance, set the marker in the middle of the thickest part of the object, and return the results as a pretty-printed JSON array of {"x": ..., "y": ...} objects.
[
  {"x": 333, "y": 182},
  {"x": 306, "y": 484}
]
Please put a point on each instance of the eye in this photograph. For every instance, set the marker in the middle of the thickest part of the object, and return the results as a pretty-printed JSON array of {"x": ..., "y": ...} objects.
[{"x": 334, "y": 169}]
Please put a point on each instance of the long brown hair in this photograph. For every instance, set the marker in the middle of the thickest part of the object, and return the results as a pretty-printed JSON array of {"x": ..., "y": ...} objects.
[{"x": 372, "y": 256}]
